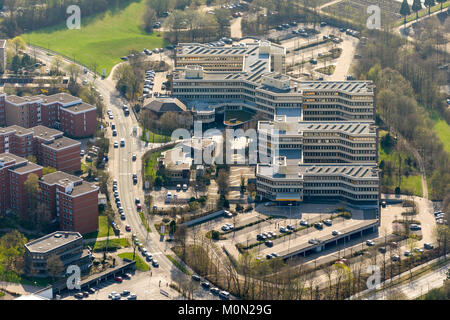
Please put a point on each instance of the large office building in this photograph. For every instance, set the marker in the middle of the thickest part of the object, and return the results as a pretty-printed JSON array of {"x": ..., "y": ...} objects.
[
  {"x": 235, "y": 58},
  {"x": 321, "y": 143},
  {"x": 61, "y": 111}
]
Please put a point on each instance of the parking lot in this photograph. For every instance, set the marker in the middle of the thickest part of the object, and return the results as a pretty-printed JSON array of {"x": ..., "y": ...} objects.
[{"x": 179, "y": 197}]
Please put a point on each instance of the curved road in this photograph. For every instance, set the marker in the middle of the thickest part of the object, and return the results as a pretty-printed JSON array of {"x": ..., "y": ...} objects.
[{"x": 121, "y": 167}]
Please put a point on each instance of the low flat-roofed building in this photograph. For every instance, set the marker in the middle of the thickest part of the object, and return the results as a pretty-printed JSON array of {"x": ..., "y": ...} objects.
[{"x": 66, "y": 245}]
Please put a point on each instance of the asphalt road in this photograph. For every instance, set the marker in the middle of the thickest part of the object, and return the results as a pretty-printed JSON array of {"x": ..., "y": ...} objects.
[{"x": 121, "y": 167}]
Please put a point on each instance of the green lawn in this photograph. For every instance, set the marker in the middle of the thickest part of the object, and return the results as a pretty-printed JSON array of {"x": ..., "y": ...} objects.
[
  {"x": 112, "y": 244},
  {"x": 144, "y": 222},
  {"x": 154, "y": 137},
  {"x": 412, "y": 183},
  {"x": 102, "y": 39},
  {"x": 442, "y": 129},
  {"x": 178, "y": 265},
  {"x": 140, "y": 264},
  {"x": 150, "y": 164}
]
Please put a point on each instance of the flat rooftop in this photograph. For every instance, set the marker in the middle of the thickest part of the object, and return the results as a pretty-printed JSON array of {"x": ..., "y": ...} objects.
[
  {"x": 52, "y": 241},
  {"x": 64, "y": 180},
  {"x": 45, "y": 133},
  {"x": 30, "y": 166},
  {"x": 291, "y": 126},
  {"x": 80, "y": 107},
  {"x": 19, "y": 100},
  {"x": 62, "y": 142},
  {"x": 348, "y": 86},
  {"x": 17, "y": 129},
  {"x": 291, "y": 171},
  {"x": 8, "y": 157},
  {"x": 63, "y": 98}
]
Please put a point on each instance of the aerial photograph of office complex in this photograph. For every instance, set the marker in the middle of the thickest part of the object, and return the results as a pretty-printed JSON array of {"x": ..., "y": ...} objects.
[{"x": 224, "y": 151}]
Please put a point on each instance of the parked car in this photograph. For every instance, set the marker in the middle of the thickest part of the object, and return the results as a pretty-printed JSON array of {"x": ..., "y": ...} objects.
[
  {"x": 124, "y": 293},
  {"x": 79, "y": 295},
  {"x": 318, "y": 225},
  {"x": 395, "y": 258},
  {"x": 155, "y": 264},
  {"x": 224, "y": 295},
  {"x": 205, "y": 284},
  {"x": 415, "y": 227},
  {"x": 269, "y": 243},
  {"x": 370, "y": 243},
  {"x": 382, "y": 249},
  {"x": 127, "y": 228},
  {"x": 336, "y": 233},
  {"x": 428, "y": 246},
  {"x": 304, "y": 223},
  {"x": 196, "y": 277},
  {"x": 118, "y": 279},
  {"x": 328, "y": 222},
  {"x": 132, "y": 296}
]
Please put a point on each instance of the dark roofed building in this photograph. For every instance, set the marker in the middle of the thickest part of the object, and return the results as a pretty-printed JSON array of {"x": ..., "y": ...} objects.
[{"x": 162, "y": 105}]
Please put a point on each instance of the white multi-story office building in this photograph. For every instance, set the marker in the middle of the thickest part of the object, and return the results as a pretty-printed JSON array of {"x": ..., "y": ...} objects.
[{"x": 322, "y": 141}]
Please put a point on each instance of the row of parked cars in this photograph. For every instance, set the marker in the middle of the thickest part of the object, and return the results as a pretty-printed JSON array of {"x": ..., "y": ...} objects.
[
  {"x": 124, "y": 294},
  {"x": 148, "y": 83},
  {"x": 145, "y": 253},
  {"x": 439, "y": 215},
  {"x": 214, "y": 290}
]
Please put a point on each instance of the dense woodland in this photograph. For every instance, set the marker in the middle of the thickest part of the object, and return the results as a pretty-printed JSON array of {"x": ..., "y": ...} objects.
[{"x": 407, "y": 81}]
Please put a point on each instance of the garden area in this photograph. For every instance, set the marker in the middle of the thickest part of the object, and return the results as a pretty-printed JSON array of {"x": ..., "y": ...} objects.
[
  {"x": 140, "y": 264},
  {"x": 236, "y": 117}
]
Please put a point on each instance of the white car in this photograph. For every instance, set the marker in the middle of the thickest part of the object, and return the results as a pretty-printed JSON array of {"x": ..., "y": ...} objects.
[
  {"x": 370, "y": 243},
  {"x": 336, "y": 233}
]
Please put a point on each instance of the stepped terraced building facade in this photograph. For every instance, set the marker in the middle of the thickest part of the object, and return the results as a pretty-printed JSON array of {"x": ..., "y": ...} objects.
[{"x": 322, "y": 140}]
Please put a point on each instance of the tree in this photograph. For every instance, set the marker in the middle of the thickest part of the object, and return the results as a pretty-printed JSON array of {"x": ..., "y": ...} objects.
[
  {"x": 18, "y": 44},
  {"x": 32, "y": 158},
  {"x": 55, "y": 266},
  {"x": 416, "y": 6},
  {"x": 429, "y": 4},
  {"x": 32, "y": 190},
  {"x": 441, "y": 2},
  {"x": 222, "y": 182},
  {"x": 47, "y": 170},
  {"x": 15, "y": 64},
  {"x": 57, "y": 61},
  {"x": 223, "y": 17},
  {"x": 405, "y": 10},
  {"x": 74, "y": 71}
]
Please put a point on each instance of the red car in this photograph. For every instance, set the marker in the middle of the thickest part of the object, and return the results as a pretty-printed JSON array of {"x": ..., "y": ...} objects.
[
  {"x": 139, "y": 207},
  {"x": 128, "y": 228},
  {"x": 118, "y": 279}
]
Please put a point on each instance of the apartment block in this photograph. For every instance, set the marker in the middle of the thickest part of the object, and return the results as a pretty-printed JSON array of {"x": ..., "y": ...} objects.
[
  {"x": 48, "y": 145},
  {"x": 74, "y": 201},
  {"x": 60, "y": 111},
  {"x": 52, "y": 149},
  {"x": 14, "y": 171},
  {"x": 66, "y": 245}
]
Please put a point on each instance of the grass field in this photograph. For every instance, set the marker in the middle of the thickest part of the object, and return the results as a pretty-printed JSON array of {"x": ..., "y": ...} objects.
[
  {"x": 102, "y": 39},
  {"x": 154, "y": 137},
  {"x": 412, "y": 182},
  {"x": 140, "y": 264},
  {"x": 150, "y": 164},
  {"x": 442, "y": 129},
  {"x": 113, "y": 244}
]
